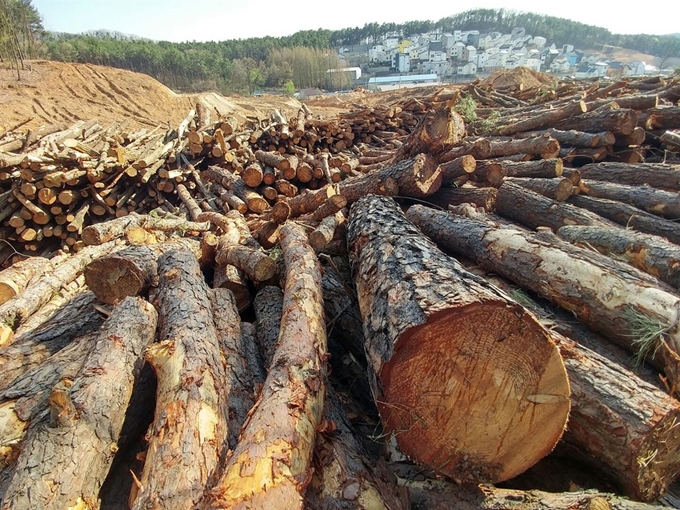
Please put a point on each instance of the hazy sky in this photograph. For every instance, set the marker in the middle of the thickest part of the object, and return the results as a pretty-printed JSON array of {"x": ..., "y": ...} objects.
[{"x": 201, "y": 20}]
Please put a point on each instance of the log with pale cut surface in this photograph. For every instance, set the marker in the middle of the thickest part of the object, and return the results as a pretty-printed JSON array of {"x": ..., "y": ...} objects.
[
  {"x": 543, "y": 120},
  {"x": 270, "y": 467},
  {"x": 437, "y": 131},
  {"x": 632, "y": 308},
  {"x": 535, "y": 210},
  {"x": 16, "y": 278},
  {"x": 458, "y": 167},
  {"x": 64, "y": 464},
  {"x": 461, "y": 375},
  {"x": 629, "y": 217},
  {"x": 229, "y": 277},
  {"x": 109, "y": 230},
  {"x": 325, "y": 232},
  {"x": 652, "y": 200},
  {"x": 558, "y": 188},
  {"x": 130, "y": 271},
  {"x": 657, "y": 175},
  {"x": 190, "y": 423},
  {"x": 545, "y": 168},
  {"x": 618, "y": 121},
  {"x": 542, "y": 145},
  {"x": 651, "y": 254}
]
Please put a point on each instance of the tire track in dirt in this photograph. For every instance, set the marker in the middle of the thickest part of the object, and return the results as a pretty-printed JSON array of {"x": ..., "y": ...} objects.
[{"x": 122, "y": 93}]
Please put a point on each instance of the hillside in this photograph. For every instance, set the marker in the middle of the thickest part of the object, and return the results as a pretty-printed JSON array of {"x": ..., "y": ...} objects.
[{"x": 56, "y": 92}]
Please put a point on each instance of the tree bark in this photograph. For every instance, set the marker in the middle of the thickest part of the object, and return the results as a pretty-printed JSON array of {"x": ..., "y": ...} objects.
[
  {"x": 431, "y": 324},
  {"x": 325, "y": 232},
  {"x": 478, "y": 149},
  {"x": 542, "y": 145},
  {"x": 481, "y": 197},
  {"x": 130, "y": 272},
  {"x": 270, "y": 466},
  {"x": 629, "y": 217},
  {"x": 229, "y": 277},
  {"x": 628, "y": 306},
  {"x": 458, "y": 167},
  {"x": 657, "y": 175},
  {"x": 436, "y": 132},
  {"x": 535, "y": 210},
  {"x": 190, "y": 423},
  {"x": 106, "y": 231},
  {"x": 547, "y": 168},
  {"x": 651, "y": 254},
  {"x": 576, "y": 138},
  {"x": 489, "y": 172},
  {"x": 558, "y": 189},
  {"x": 65, "y": 463},
  {"x": 268, "y": 307},
  {"x": 15, "y": 279},
  {"x": 547, "y": 119},
  {"x": 256, "y": 264},
  {"x": 652, "y": 200},
  {"x": 618, "y": 121}
]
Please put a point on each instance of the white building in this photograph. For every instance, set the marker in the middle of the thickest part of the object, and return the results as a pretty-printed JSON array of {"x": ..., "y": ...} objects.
[
  {"x": 402, "y": 62},
  {"x": 376, "y": 53},
  {"x": 467, "y": 69}
]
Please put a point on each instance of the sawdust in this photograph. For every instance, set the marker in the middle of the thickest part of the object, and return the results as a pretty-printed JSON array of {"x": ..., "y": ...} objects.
[{"x": 520, "y": 76}]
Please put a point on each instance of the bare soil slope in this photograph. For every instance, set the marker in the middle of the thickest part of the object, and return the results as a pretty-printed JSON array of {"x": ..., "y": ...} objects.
[{"x": 56, "y": 92}]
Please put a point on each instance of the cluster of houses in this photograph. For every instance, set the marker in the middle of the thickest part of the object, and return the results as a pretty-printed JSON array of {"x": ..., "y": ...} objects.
[{"x": 471, "y": 53}]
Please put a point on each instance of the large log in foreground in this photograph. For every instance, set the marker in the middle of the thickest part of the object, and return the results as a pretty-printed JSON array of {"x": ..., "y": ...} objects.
[
  {"x": 270, "y": 467},
  {"x": 625, "y": 304},
  {"x": 461, "y": 376}
]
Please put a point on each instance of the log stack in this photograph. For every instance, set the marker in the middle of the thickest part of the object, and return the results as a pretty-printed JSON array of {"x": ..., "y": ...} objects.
[{"x": 439, "y": 363}]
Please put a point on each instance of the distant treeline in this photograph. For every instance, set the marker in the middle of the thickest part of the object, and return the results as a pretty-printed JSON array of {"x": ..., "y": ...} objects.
[{"x": 287, "y": 63}]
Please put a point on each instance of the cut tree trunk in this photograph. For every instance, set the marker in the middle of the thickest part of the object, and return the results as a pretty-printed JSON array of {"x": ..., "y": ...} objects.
[
  {"x": 657, "y": 175},
  {"x": 190, "y": 423},
  {"x": 229, "y": 277},
  {"x": 558, "y": 188},
  {"x": 652, "y": 200},
  {"x": 325, "y": 232},
  {"x": 448, "y": 329},
  {"x": 436, "y": 132},
  {"x": 651, "y": 254},
  {"x": 618, "y": 121},
  {"x": 628, "y": 306},
  {"x": 16, "y": 278},
  {"x": 270, "y": 467},
  {"x": 547, "y": 119},
  {"x": 64, "y": 464},
  {"x": 542, "y": 145},
  {"x": 458, "y": 167},
  {"x": 268, "y": 307},
  {"x": 130, "y": 272},
  {"x": 535, "y": 210},
  {"x": 481, "y": 197},
  {"x": 629, "y": 217},
  {"x": 545, "y": 168}
]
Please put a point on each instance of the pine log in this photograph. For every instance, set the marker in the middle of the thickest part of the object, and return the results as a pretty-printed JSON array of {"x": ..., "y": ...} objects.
[
  {"x": 268, "y": 307},
  {"x": 15, "y": 279},
  {"x": 64, "y": 465},
  {"x": 113, "y": 229},
  {"x": 651, "y": 254},
  {"x": 481, "y": 197},
  {"x": 618, "y": 121},
  {"x": 270, "y": 467},
  {"x": 229, "y": 277},
  {"x": 256, "y": 264},
  {"x": 130, "y": 272},
  {"x": 558, "y": 188},
  {"x": 325, "y": 232},
  {"x": 343, "y": 474},
  {"x": 637, "y": 137},
  {"x": 652, "y": 200},
  {"x": 662, "y": 118},
  {"x": 575, "y": 138},
  {"x": 439, "y": 336},
  {"x": 310, "y": 201},
  {"x": 190, "y": 422},
  {"x": 657, "y": 175},
  {"x": 479, "y": 148},
  {"x": 629, "y": 217},
  {"x": 458, "y": 167},
  {"x": 547, "y": 119},
  {"x": 545, "y": 146},
  {"x": 489, "y": 172},
  {"x": 535, "y": 210},
  {"x": 546, "y": 168},
  {"x": 436, "y": 132},
  {"x": 628, "y": 306}
]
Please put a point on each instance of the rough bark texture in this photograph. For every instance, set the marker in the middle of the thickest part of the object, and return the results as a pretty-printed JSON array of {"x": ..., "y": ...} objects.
[
  {"x": 629, "y": 217},
  {"x": 651, "y": 254},
  {"x": 610, "y": 297},
  {"x": 130, "y": 272},
  {"x": 190, "y": 423},
  {"x": 657, "y": 175},
  {"x": 538, "y": 145},
  {"x": 652, "y": 200},
  {"x": 229, "y": 277},
  {"x": 15, "y": 278},
  {"x": 75, "y": 318},
  {"x": 461, "y": 376},
  {"x": 270, "y": 466},
  {"x": 535, "y": 210},
  {"x": 342, "y": 477},
  {"x": 545, "y": 168},
  {"x": 558, "y": 188},
  {"x": 268, "y": 306},
  {"x": 458, "y": 167},
  {"x": 436, "y": 132},
  {"x": 543, "y": 120},
  {"x": 481, "y": 197},
  {"x": 65, "y": 463},
  {"x": 621, "y": 121}
]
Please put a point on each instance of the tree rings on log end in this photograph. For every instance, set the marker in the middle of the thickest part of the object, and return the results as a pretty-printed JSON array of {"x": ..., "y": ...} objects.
[{"x": 479, "y": 393}]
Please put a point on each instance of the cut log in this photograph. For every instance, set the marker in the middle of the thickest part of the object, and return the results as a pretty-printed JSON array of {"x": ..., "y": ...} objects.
[
  {"x": 325, "y": 232},
  {"x": 268, "y": 307},
  {"x": 113, "y": 229},
  {"x": 629, "y": 217},
  {"x": 436, "y": 132},
  {"x": 623, "y": 303},
  {"x": 577, "y": 138},
  {"x": 448, "y": 329},
  {"x": 657, "y": 175},
  {"x": 256, "y": 264},
  {"x": 481, "y": 197},
  {"x": 651, "y": 254},
  {"x": 558, "y": 188},
  {"x": 16, "y": 278},
  {"x": 342, "y": 475},
  {"x": 618, "y": 121},
  {"x": 547, "y": 119},
  {"x": 458, "y": 167},
  {"x": 270, "y": 467},
  {"x": 652, "y": 200},
  {"x": 479, "y": 148},
  {"x": 542, "y": 145},
  {"x": 229, "y": 277},
  {"x": 546, "y": 168},
  {"x": 489, "y": 172},
  {"x": 130, "y": 272},
  {"x": 535, "y": 210},
  {"x": 87, "y": 418},
  {"x": 190, "y": 423}
]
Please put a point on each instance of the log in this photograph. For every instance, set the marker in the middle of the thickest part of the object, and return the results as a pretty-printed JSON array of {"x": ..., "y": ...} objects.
[
  {"x": 439, "y": 336},
  {"x": 190, "y": 422},
  {"x": 113, "y": 229},
  {"x": 489, "y": 172},
  {"x": 547, "y": 119},
  {"x": 15, "y": 279},
  {"x": 270, "y": 466},
  {"x": 325, "y": 232},
  {"x": 87, "y": 418},
  {"x": 481, "y": 197},
  {"x": 229, "y": 277},
  {"x": 657, "y": 175},
  {"x": 575, "y": 138},
  {"x": 14, "y": 312},
  {"x": 558, "y": 188},
  {"x": 436, "y": 132},
  {"x": 268, "y": 307},
  {"x": 635, "y": 310},
  {"x": 256, "y": 264},
  {"x": 651, "y": 254},
  {"x": 629, "y": 217},
  {"x": 543, "y": 145},
  {"x": 661, "y": 118},
  {"x": 547, "y": 168},
  {"x": 652, "y": 200},
  {"x": 458, "y": 167},
  {"x": 344, "y": 475},
  {"x": 535, "y": 210},
  {"x": 618, "y": 121},
  {"x": 479, "y": 148}
]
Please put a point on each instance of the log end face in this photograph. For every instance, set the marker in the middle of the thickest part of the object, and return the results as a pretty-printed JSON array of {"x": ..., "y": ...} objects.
[
  {"x": 479, "y": 394},
  {"x": 113, "y": 279}
]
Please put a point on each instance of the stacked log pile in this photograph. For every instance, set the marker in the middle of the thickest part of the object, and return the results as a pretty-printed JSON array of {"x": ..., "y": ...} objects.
[{"x": 258, "y": 316}]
